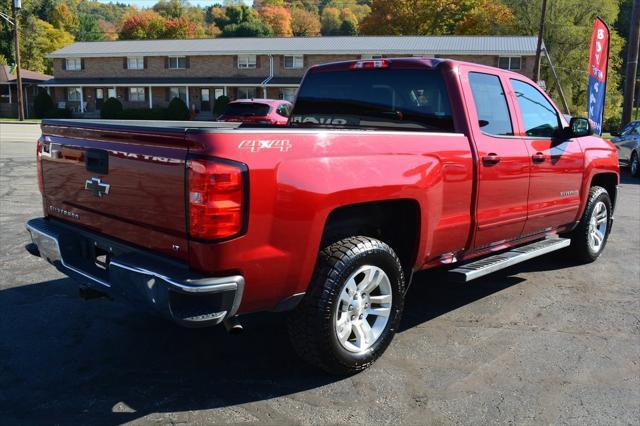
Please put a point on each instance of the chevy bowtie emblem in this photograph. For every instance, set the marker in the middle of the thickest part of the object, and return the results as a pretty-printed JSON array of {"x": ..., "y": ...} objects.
[{"x": 97, "y": 187}]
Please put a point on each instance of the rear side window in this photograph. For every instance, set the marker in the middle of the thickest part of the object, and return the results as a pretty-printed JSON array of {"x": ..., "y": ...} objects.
[
  {"x": 491, "y": 104},
  {"x": 539, "y": 116},
  {"x": 399, "y": 99},
  {"x": 283, "y": 110},
  {"x": 246, "y": 109}
]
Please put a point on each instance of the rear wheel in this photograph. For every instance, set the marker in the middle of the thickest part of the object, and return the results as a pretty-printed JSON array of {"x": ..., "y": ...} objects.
[
  {"x": 590, "y": 236},
  {"x": 352, "y": 308},
  {"x": 634, "y": 165}
]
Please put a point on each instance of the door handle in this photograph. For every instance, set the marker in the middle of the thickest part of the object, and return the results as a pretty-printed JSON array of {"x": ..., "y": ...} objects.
[
  {"x": 491, "y": 159},
  {"x": 538, "y": 157}
]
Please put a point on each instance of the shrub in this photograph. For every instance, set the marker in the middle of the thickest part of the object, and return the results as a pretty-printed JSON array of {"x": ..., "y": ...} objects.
[
  {"x": 221, "y": 104},
  {"x": 612, "y": 124},
  {"x": 42, "y": 104},
  {"x": 177, "y": 110},
  {"x": 112, "y": 108}
]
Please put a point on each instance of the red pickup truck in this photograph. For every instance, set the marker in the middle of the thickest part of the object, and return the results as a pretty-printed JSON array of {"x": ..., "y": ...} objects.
[{"x": 386, "y": 167}]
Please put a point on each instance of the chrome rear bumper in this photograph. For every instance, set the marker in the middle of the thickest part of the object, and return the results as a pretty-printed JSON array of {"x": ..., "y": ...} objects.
[{"x": 163, "y": 284}]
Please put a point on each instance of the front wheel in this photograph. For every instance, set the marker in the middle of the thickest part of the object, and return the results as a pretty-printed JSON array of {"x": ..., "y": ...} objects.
[
  {"x": 352, "y": 308},
  {"x": 590, "y": 236}
]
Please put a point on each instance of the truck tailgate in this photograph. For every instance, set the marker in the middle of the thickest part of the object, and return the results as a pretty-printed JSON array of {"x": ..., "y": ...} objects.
[{"x": 123, "y": 182}]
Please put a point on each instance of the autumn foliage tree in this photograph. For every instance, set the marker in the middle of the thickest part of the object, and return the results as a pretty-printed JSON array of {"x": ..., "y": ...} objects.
[
  {"x": 433, "y": 17},
  {"x": 142, "y": 25},
  {"x": 278, "y": 18},
  {"x": 181, "y": 28},
  {"x": 304, "y": 23}
]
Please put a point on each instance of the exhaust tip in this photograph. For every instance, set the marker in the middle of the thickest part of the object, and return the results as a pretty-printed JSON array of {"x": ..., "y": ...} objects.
[{"x": 233, "y": 326}]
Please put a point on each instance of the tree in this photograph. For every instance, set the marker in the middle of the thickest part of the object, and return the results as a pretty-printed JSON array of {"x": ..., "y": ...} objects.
[
  {"x": 216, "y": 15},
  {"x": 360, "y": 10},
  {"x": 181, "y": 28},
  {"x": 278, "y": 18},
  {"x": 144, "y": 25},
  {"x": 63, "y": 18},
  {"x": 566, "y": 37},
  {"x": 304, "y": 23},
  {"x": 170, "y": 9},
  {"x": 485, "y": 17},
  {"x": 349, "y": 26},
  {"x": 247, "y": 29},
  {"x": 37, "y": 39},
  {"x": 240, "y": 21},
  {"x": 88, "y": 29},
  {"x": 428, "y": 17},
  {"x": 330, "y": 21}
]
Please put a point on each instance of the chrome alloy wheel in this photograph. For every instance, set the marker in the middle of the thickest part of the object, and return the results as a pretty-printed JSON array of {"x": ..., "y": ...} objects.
[
  {"x": 363, "y": 310},
  {"x": 635, "y": 164},
  {"x": 598, "y": 226}
]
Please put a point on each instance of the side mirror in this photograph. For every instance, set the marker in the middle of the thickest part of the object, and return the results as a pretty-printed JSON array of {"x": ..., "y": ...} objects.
[
  {"x": 579, "y": 127},
  {"x": 615, "y": 133}
]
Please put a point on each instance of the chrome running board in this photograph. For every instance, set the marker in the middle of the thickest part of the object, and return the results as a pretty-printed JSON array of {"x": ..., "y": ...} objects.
[{"x": 479, "y": 268}]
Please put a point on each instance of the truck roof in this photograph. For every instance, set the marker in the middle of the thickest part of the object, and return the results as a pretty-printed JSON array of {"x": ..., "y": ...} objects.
[{"x": 415, "y": 62}]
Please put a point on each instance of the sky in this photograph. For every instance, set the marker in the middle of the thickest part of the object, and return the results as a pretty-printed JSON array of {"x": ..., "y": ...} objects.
[{"x": 149, "y": 3}]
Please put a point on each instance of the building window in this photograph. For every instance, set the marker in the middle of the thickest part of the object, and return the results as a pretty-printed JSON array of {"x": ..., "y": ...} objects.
[
  {"x": 74, "y": 94},
  {"x": 293, "y": 62},
  {"x": 136, "y": 94},
  {"x": 288, "y": 94},
  {"x": 73, "y": 64},
  {"x": 178, "y": 92},
  {"x": 135, "y": 63},
  {"x": 177, "y": 62},
  {"x": 513, "y": 63},
  {"x": 246, "y": 61},
  {"x": 111, "y": 93},
  {"x": 247, "y": 92}
]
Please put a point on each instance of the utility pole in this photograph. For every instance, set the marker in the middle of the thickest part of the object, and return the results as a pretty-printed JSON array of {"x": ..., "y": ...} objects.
[
  {"x": 632, "y": 63},
  {"x": 555, "y": 76},
  {"x": 17, "y": 5},
  {"x": 536, "y": 65}
]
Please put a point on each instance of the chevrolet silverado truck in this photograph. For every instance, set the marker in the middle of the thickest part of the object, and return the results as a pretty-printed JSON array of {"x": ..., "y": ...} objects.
[{"x": 386, "y": 167}]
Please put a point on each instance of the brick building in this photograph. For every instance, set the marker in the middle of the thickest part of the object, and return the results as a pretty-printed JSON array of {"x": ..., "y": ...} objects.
[
  {"x": 9, "y": 90},
  {"x": 149, "y": 73}
]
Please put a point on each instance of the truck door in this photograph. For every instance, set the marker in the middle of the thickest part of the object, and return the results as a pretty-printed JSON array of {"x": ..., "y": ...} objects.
[
  {"x": 556, "y": 165},
  {"x": 503, "y": 160}
]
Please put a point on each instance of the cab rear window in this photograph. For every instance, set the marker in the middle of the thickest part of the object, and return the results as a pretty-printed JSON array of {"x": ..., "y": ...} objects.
[{"x": 400, "y": 99}]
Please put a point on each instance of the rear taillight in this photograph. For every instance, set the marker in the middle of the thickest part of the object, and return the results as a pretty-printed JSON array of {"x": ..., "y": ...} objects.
[
  {"x": 39, "y": 164},
  {"x": 217, "y": 191}
]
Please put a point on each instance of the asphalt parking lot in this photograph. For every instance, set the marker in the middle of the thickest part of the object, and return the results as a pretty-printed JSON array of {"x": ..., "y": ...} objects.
[{"x": 547, "y": 341}]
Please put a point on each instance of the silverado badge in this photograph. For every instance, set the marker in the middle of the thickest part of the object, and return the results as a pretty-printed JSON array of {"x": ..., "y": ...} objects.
[{"x": 97, "y": 187}]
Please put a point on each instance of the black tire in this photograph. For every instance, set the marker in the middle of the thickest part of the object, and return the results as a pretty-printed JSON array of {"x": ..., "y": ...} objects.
[
  {"x": 311, "y": 324},
  {"x": 634, "y": 165},
  {"x": 580, "y": 248}
]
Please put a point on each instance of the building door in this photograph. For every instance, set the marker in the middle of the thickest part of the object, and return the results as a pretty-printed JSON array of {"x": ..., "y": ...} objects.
[
  {"x": 556, "y": 165},
  {"x": 99, "y": 99},
  {"x": 503, "y": 180},
  {"x": 205, "y": 103}
]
